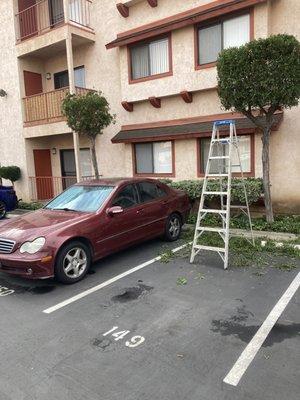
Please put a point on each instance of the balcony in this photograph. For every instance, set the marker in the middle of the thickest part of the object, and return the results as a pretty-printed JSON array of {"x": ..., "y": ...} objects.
[
  {"x": 46, "y": 22},
  {"x": 45, "y": 108}
]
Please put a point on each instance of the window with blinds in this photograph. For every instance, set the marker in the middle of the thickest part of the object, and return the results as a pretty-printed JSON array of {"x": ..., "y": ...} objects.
[
  {"x": 153, "y": 158},
  {"x": 150, "y": 58},
  {"x": 233, "y": 32}
]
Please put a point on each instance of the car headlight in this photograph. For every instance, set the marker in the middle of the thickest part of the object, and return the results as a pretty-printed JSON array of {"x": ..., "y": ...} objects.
[{"x": 33, "y": 247}]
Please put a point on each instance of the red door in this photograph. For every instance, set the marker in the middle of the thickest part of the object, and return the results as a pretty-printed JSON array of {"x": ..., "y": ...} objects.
[
  {"x": 33, "y": 83},
  {"x": 43, "y": 173},
  {"x": 28, "y": 18}
]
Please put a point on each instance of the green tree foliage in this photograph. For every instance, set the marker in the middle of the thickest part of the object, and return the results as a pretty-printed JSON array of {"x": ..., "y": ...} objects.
[
  {"x": 257, "y": 80},
  {"x": 88, "y": 115},
  {"x": 11, "y": 173}
]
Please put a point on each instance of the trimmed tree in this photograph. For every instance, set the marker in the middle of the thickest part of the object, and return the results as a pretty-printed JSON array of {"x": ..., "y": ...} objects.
[
  {"x": 11, "y": 173},
  {"x": 257, "y": 80},
  {"x": 88, "y": 115}
]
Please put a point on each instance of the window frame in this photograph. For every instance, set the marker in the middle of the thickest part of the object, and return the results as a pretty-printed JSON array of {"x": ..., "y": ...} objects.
[
  {"x": 212, "y": 22},
  {"x": 201, "y": 173},
  {"x": 168, "y": 174},
  {"x": 152, "y": 200},
  {"x": 147, "y": 41},
  {"x": 116, "y": 194}
]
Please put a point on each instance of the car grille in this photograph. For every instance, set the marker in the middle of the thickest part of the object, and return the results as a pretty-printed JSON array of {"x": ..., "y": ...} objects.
[{"x": 6, "y": 246}]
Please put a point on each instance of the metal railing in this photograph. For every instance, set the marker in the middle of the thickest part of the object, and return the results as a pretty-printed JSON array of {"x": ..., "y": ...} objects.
[
  {"x": 44, "y": 188},
  {"x": 47, "y": 107},
  {"x": 48, "y": 14}
]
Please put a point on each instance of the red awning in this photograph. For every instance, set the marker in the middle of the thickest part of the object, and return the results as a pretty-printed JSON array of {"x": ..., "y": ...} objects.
[{"x": 190, "y": 17}]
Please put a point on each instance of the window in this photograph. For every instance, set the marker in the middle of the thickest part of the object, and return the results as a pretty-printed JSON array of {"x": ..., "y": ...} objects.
[
  {"x": 126, "y": 198},
  {"x": 61, "y": 79},
  {"x": 150, "y": 191},
  {"x": 153, "y": 158},
  {"x": 212, "y": 39},
  {"x": 150, "y": 59},
  {"x": 245, "y": 154}
]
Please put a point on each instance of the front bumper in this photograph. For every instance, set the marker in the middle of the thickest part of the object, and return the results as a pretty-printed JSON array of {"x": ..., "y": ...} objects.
[{"x": 33, "y": 266}]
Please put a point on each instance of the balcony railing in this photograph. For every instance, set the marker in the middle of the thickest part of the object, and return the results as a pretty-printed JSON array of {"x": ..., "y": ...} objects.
[
  {"x": 46, "y": 107},
  {"x": 44, "y": 188},
  {"x": 48, "y": 14}
]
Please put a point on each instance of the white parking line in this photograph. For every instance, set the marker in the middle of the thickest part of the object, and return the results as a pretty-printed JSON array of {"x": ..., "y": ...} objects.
[
  {"x": 107, "y": 283},
  {"x": 247, "y": 356}
]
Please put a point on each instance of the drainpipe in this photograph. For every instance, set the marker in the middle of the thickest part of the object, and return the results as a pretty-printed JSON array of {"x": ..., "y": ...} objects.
[{"x": 72, "y": 88}]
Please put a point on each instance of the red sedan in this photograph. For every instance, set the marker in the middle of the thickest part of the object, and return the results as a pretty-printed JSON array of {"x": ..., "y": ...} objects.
[{"x": 87, "y": 222}]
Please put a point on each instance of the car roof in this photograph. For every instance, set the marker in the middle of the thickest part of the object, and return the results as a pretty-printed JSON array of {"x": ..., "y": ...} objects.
[{"x": 114, "y": 181}]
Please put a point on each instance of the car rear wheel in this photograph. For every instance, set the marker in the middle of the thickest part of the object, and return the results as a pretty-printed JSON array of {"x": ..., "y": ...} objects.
[
  {"x": 173, "y": 228},
  {"x": 73, "y": 262},
  {"x": 2, "y": 209}
]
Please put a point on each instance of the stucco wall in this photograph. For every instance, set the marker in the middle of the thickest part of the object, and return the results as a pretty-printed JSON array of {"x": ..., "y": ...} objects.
[{"x": 12, "y": 145}]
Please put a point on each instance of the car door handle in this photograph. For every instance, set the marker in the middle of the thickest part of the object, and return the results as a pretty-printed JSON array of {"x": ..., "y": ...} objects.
[{"x": 140, "y": 211}]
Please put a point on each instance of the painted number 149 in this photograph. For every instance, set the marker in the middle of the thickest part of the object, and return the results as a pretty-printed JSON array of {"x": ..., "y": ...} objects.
[{"x": 135, "y": 341}]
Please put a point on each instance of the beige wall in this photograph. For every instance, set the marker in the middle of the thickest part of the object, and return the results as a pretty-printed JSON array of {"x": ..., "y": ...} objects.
[{"x": 107, "y": 70}]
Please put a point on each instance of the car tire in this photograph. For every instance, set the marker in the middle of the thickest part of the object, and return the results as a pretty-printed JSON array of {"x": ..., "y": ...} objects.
[
  {"x": 173, "y": 227},
  {"x": 2, "y": 209},
  {"x": 73, "y": 262}
]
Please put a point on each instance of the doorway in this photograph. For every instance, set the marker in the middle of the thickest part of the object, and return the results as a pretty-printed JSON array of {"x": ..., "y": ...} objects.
[
  {"x": 68, "y": 165},
  {"x": 33, "y": 83},
  {"x": 27, "y": 18},
  {"x": 43, "y": 173}
]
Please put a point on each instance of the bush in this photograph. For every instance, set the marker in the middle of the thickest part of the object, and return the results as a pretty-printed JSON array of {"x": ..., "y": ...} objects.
[
  {"x": 11, "y": 173},
  {"x": 29, "y": 206},
  {"x": 193, "y": 189}
]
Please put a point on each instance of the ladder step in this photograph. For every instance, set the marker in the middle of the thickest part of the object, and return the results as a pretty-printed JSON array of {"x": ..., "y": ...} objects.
[
  {"x": 217, "y": 175},
  {"x": 241, "y": 207},
  {"x": 211, "y": 229},
  {"x": 219, "y": 158},
  {"x": 210, "y": 248},
  {"x": 219, "y": 193},
  {"x": 212, "y": 211}
]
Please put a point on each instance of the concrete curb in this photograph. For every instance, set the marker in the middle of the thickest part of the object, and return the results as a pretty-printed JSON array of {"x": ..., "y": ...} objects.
[{"x": 257, "y": 234}]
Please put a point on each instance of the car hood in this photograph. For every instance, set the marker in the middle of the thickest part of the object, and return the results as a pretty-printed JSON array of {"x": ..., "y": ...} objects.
[{"x": 39, "y": 223}]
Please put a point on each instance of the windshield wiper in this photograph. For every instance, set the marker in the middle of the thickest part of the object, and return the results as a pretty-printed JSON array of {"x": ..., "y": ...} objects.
[{"x": 63, "y": 209}]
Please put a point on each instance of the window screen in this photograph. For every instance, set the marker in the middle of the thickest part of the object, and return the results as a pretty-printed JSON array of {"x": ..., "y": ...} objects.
[
  {"x": 222, "y": 165},
  {"x": 232, "y": 32},
  {"x": 150, "y": 59},
  {"x": 154, "y": 158}
]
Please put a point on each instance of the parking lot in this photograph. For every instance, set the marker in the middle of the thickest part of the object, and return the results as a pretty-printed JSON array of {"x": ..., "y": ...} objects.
[{"x": 162, "y": 331}]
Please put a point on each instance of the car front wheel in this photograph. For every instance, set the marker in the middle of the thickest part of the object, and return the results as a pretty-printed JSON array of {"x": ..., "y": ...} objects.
[
  {"x": 2, "y": 209},
  {"x": 73, "y": 262},
  {"x": 173, "y": 228}
]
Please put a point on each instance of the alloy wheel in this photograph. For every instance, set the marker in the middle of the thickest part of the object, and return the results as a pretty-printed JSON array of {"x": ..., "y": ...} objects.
[
  {"x": 2, "y": 210},
  {"x": 75, "y": 262},
  {"x": 174, "y": 226}
]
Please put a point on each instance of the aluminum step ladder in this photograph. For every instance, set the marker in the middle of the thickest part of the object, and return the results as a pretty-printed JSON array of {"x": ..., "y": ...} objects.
[{"x": 220, "y": 152}]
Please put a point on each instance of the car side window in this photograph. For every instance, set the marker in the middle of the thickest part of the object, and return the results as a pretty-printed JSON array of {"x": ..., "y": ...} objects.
[
  {"x": 126, "y": 198},
  {"x": 149, "y": 191}
]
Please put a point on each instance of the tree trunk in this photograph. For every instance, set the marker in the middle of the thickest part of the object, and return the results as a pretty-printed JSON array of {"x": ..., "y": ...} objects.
[
  {"x": 266, "y": 173},
  {"x": 94, "y": 157}
]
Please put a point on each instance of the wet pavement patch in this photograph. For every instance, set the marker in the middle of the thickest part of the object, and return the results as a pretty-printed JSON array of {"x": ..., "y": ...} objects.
[
  {"x": 236, "y": 326},
  {"x": 101, "y": 343},
  {"x": 30, "y": 288},
  {"x": 132, "y": 293}
]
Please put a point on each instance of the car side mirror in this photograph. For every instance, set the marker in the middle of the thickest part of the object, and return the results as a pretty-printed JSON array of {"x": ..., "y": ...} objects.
[{"x": 114, "y": 210}]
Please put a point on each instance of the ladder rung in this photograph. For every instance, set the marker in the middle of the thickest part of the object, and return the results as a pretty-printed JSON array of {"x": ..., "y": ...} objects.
[
  {"x": 220, "y": 193},
  {"x": 211, "y": 229},
  {"x": 217, "y": 175},
  {"x": 209, "y": 248},
  {"x": 212, "y": 211},
  {"x": 241, "y": 207},
  {"x": 219, "y": 158}
]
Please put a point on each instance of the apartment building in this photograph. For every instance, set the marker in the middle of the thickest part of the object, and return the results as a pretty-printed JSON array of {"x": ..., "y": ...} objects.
[{"x": 155, "y": 61}]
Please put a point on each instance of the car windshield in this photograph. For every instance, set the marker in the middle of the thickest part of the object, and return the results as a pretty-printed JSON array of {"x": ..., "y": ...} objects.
[{"x": 81, "y": 198}]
